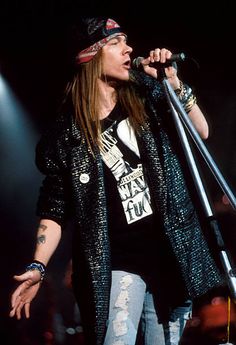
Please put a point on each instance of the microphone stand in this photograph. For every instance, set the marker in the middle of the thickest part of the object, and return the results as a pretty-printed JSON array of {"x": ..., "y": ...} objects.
[{"x": 180, "y": 117}]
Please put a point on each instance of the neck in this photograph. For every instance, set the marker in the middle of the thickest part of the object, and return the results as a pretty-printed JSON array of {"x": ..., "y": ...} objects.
[{"x": 107, "y": 98}]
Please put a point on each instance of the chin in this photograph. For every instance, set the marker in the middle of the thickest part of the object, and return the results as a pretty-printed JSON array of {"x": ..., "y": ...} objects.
[
  {"x": 123, "y": 76},
  {"x": 116, "y": 77}
]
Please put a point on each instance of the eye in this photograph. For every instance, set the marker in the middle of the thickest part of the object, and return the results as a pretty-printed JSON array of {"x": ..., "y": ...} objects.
[{"x": 114, "y": 41}]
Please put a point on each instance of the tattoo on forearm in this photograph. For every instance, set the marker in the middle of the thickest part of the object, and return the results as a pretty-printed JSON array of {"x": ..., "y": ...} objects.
[
  {"x": 41, "y": 239},
  {"x": 42, "y": 227}
]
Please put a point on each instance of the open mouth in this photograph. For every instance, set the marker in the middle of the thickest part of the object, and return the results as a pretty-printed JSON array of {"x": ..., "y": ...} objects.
[{"x": 127, "y": 63}]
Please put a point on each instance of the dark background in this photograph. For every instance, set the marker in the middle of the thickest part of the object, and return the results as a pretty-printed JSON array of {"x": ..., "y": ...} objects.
[{"x": 34, "y": 65}]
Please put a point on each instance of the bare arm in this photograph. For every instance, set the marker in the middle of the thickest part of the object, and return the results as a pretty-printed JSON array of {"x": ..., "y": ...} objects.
[
  {"x": 199, "y": 121},
  {"x": 48, "y": 238},
  {"x": 195, "y": 114}
]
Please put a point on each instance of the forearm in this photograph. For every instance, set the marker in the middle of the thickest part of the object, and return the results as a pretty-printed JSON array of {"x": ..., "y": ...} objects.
[
  {"x": 48, "y": 238},
  {"x": 189, "y": 102},
  {"x": 199, "y": 121}
]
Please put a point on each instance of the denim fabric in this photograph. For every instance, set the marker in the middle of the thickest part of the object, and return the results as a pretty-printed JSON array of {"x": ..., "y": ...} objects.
[{"x": 131, "y": 305}]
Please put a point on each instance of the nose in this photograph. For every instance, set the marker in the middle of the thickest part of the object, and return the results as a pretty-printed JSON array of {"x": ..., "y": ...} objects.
[
  {"x": 130, "y": 49},
  {"x": 127, "y": 49}
]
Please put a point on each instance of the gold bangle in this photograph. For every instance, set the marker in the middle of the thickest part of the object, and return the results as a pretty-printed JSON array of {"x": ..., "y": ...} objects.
[
  {"x": 190, "y": 103},
  {"x": 180, "y": 90}
]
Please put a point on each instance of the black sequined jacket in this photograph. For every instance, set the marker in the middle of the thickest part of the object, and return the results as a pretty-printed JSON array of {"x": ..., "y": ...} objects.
[{"x": 74, "y": 186}]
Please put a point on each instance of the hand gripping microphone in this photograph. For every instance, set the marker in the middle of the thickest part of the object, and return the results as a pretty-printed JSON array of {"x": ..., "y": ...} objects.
[{"x": 136, "y": 63}]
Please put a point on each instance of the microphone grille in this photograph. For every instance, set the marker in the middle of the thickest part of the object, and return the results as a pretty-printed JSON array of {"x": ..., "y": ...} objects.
[{"x": 137, "y": 62}]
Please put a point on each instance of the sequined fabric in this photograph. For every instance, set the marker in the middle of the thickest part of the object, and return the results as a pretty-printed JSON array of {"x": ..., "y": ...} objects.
[
  {"x": 88, "y": 201},
  {"x": 74, "y": 184}
]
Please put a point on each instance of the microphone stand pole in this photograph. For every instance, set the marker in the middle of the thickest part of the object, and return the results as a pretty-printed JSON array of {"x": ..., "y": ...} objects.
[{"x": 180, "y": 116}]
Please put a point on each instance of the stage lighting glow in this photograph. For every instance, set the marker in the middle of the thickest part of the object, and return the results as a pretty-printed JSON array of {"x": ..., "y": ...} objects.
[
  {"x": 2, "y": 85},
  {"x": 17, "y": 146}
]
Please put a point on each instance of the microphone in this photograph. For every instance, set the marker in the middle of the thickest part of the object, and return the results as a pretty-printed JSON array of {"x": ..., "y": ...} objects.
[{"x": 136, "y": 63}]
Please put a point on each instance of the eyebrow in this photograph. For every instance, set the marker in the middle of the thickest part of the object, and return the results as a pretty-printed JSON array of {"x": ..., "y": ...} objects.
[{"x": 119, "y": 37}]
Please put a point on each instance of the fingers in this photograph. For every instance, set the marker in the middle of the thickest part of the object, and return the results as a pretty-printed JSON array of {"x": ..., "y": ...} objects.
[
  {"x": 19, "y": 300},
  {"x": 17, "y": 310},
  {"x": 157, "y": 55},
  {"x": 17, "y": 293},
  {"x": 27, "y": 309},
  {"x": 22, "y": 298},
  {"x": 12, "y": 312},
  {"x": 163, "y": 55},
  {"x": 160, "y": 55}
]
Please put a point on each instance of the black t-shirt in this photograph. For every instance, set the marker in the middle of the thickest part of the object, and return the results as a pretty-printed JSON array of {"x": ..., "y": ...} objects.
[
  {"x": 138, "y": 243},
  {"x": 132, "y": 224}
]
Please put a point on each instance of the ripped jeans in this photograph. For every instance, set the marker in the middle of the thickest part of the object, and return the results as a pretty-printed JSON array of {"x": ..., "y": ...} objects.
[{"x": 130, "y": 304}]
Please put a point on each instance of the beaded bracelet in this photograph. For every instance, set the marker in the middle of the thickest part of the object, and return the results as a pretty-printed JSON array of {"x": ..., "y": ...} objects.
[{"x": 39, "y": 266}]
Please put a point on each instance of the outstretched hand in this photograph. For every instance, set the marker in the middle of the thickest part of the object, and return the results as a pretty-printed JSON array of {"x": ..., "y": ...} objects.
[{"x": 24, "y": 293}]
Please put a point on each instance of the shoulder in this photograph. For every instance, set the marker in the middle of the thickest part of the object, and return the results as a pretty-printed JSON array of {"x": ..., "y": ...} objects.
[
  {"x": 56, "y": 132},
  {"x": 56, "y": 141}
]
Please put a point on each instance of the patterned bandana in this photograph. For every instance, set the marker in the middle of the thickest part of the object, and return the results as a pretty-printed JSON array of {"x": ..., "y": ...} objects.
[{"x": 112, "y": 30}]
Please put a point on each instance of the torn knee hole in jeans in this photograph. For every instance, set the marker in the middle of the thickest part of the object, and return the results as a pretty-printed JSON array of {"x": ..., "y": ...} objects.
[{"x": 120, "y": 322}]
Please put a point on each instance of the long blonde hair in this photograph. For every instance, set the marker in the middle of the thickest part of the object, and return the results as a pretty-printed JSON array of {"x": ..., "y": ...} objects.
[{"x": 84, "y": 93}]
